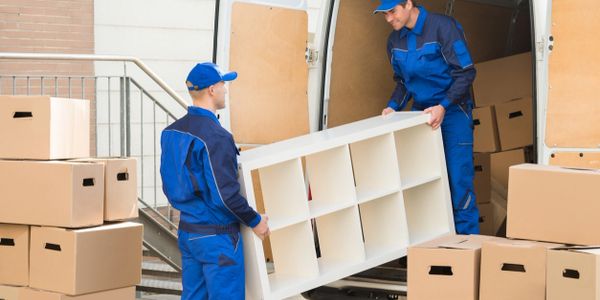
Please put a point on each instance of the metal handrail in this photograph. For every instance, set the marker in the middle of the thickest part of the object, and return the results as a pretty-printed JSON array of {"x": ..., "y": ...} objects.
[
  {"x": 160, "y": 215},
  {"x": 136, "y": 84},
  {"x": 93, "y": 57}
]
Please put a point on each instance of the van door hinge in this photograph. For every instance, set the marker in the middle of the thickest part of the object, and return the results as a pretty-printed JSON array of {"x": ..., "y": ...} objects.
[
  {"x": 540, "y": 49},
  {"x": 312, "y": 56}
]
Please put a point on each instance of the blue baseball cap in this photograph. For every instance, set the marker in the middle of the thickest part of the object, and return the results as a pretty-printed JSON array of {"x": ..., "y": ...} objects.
[
  {"x": 206, "y": 74},
  {"x": 387, "y": 5}
]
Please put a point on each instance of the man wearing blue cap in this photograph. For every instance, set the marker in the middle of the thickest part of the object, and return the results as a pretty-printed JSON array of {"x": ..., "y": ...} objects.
[
  {"x": 199, "y": 174},
  {"x": 432, "y": 66}
]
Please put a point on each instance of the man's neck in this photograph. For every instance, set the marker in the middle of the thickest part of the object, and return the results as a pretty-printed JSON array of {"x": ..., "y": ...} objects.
[
  {"x": 204, "y": 104},
  {"x": 414, "y": 16}
]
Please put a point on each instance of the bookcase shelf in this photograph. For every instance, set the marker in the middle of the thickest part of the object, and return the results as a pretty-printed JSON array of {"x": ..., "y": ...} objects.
[{"x": 376, "y": 186}]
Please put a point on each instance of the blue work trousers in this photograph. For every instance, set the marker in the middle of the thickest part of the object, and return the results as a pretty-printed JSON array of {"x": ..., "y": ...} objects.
[
  {"x": 457, "y": 133},
  {"x": 213, "y": 266}
]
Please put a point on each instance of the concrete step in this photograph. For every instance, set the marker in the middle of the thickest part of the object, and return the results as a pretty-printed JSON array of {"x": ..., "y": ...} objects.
[
  {"x": 150, "y": 296},
  {"x": 160, "y": 286},
  {"x": 158, "y": 268}
]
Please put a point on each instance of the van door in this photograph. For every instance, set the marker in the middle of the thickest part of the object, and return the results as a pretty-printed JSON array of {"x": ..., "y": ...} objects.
[
  {"x": 569, "y": 73},
  {"x": 265, "y": 42}
]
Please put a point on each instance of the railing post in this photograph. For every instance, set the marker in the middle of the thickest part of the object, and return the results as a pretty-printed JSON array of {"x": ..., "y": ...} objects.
[
  {"x": 122, "y": 114},
  {"x": 128, "y": 114}
]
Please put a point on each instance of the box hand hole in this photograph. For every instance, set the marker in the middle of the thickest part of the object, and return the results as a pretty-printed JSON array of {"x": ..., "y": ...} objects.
[
  {"x": 7, "y": 242},
  {"x": 22, "y": 115},
  {"x": 513, "y": 268},
  {"x": 53, "y": 247},
  {"x": 441, "y": 270},
  {"x": 570, "y": 273}
]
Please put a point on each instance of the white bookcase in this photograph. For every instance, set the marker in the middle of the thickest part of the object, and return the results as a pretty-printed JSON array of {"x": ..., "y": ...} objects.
[{"x": 375, "y": 187}]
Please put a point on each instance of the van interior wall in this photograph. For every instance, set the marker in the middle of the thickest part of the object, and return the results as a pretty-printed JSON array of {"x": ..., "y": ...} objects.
[
  {"x": 361, "y": 75},
  {"x": 488, "y": 29}
]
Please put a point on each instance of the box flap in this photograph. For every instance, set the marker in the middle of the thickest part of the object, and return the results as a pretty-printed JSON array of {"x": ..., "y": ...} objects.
[
  {"x": 459, "y": 242},
  {"x": 583, "y": 249},
  {"x": 559, "y": 169},
  {"x": 522, "y": 243}
]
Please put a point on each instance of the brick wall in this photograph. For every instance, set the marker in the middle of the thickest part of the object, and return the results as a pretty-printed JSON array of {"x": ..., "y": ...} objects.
[{"x": 47, "y": 26}]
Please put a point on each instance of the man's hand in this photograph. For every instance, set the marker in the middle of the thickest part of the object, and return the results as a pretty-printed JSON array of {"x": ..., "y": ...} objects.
[
  {"x": 386, "y": 111},
  {"x": 262, "y": 229},
  {"x": 437, "y": 116}
]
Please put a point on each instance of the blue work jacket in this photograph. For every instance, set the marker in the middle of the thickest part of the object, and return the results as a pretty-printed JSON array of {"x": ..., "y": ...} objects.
[
  {"x": 199, "y": 171},
  {"x": 431, "y": 63}
]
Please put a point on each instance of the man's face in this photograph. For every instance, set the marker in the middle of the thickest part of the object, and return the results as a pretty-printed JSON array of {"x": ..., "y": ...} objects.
[
  {"x": 398, "y": 16},
  {"x": 220, "y": 90}
]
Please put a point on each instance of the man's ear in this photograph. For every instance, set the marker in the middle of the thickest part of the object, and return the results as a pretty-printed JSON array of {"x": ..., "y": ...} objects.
[{"x": 211, "y": 90}]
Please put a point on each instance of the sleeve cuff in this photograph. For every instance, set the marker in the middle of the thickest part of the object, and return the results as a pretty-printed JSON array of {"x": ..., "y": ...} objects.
[
  {"x": 393, "y": 105},
  {"x": 445, "y": 103},
  {"x": 255, "y": 221}
]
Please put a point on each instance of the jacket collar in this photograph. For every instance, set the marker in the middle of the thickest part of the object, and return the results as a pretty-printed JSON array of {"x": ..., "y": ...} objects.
[{"x": 199, "y": 111}]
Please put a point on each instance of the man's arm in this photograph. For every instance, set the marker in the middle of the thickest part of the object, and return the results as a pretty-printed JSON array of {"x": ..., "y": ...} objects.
[
  {"x": 456, "y": 53},
  {"x": 223, "y": 168},
  {"x": 400, "y": 96}
]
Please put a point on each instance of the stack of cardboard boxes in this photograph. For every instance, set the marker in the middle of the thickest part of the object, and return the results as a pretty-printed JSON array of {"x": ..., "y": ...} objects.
[
  {"x": 553, "y": 250},
  {"x": 54, "y": 242},
  {"x": 559, "y": 204},
  {"x": 470, "y": 267},
  {"x": 503, "y": 131}
]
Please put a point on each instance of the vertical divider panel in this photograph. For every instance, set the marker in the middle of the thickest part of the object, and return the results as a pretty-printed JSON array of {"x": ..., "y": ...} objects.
[
  {"x": 284, "y": 193},
  {"x": 330, "y": 180},
  {"x": 375, "y": 166},
  {"x": 418, "y": 155},
  {"x": 427, "y": 212},
  {"x": 384, "y": 225},
  {"x": 294, "y": 256},
  {"x": 340, "y": 239}
]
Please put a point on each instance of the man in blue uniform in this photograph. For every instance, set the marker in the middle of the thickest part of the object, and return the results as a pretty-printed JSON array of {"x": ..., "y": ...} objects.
[
  {"x": 199, "y": 173},
  {"x": 432, "y": 66}
]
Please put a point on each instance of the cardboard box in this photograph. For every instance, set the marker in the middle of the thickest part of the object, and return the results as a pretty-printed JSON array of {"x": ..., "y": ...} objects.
[
  {"x": 89, "y": 260},
  {"x": 486, "y": 219},
  {"x": 568, "y": 199},
  {"x": 503, "y": 79},
  {"x": 499, "y": 215},
  {"x": 51, "y": 193},
  {"x": 120, "y": 187},
  {"x": 513, "y": 269},
  {"x": 43, "y": 127},
  {"x": 515, "y": 123},
  {"x": 485, "y": 130},
  {"x": 14, "y": 255},
  {"x": 500, "y": 162},
  {"x": 445, "y": 268},
  {"x": 127, "y": 293},
  {"x": 573, "y": 273},
  {"x": 483, "y": 176},
  {"x": 11, "y": 292}
]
